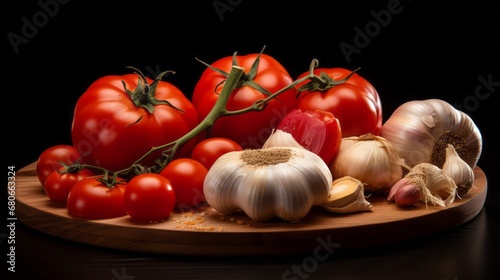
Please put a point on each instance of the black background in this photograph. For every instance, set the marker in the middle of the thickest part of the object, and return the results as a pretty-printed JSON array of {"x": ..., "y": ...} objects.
[{"x": 428, "y": 49}]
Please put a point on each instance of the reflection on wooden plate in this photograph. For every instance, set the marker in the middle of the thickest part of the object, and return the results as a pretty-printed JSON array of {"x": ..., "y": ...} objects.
[{"x": 205, "y": 232}]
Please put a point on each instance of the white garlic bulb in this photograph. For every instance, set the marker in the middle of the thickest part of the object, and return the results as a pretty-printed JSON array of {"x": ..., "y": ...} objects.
[
  {"x": 370, "y": 159},
  {"x": 266, "y": 183},
  {"x": 458, "y": 170},
  {"x": 420, "y": 131}
]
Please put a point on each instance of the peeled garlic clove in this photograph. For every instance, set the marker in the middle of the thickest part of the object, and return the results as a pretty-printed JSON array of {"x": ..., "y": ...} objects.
[
  {"x": 461, "y": 173},
  {"x": 420, "y": 130},
  {"x": 346, "y": 196}
]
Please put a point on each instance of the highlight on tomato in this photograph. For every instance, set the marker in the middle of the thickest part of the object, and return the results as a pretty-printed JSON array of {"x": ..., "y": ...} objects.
[
  {"x": 347, "y": 95},
  {"x": 120, "y": 118},
  {"x": 263, "y": 76},
  {"x": 95, "y": 198},
  {"x": 149, "y": 197},
  {"x": 315, "y": 130},
  {"x": 186, "y": 176}
]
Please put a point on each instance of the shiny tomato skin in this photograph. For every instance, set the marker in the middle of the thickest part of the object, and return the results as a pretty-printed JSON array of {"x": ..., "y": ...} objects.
[
  {"x": 49, "y": 160},
  {"x": 149, "y": 197},
  {"x": 249, "y": 130},
  {"x": 186, "y": 176},
  {"x": 355, "y": 103},
  {"x": 317, "y": 131},
  {"x": 58, "y": 185},
  {"x": 113, "y": 132},
  {"x": 92, "y": 199},
  {"x": 209, "y": 150}
]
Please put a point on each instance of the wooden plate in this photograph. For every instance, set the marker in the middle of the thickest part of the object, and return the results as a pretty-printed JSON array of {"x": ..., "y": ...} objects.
[{"x": 205, "y": 232}]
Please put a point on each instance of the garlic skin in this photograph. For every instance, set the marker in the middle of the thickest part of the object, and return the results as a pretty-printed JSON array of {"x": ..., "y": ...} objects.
[
  {"x": 266, "y": 183},
  {"x": 370, "y": 159},
  {"x": 280, "y": 138},
  {"x": 461, "y": 173},
  {"x": 347, "y": 196},
  {"x": 434, "y": 185},
  {"x": 420, "y": 131}
]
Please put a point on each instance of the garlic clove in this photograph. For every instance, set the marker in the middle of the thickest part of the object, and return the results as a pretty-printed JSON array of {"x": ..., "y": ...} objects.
[
  {"x": 280, "y": 138},
  {"x": 407, "y": 195},
  {"x": 399, "y": 184},
  {"x": 436, "y": 187},
  {"x": 347, "y": 196},
  {"x": 461, "y": 173}
]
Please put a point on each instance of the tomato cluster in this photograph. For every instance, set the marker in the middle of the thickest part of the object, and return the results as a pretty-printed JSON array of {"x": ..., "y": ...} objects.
[{"x": 113, "y": 168}]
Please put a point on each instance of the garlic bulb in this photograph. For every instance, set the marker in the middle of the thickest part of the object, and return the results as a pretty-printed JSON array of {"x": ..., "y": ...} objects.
[
  {"x": 420, "y": 131},
  {"x": 266, "y": 183},
  {"x": 347, "y": 196},
  {"x": 434, "y": 185},
  {"x": 370, "y": 159},
  {"x": 461, "y": 173}
]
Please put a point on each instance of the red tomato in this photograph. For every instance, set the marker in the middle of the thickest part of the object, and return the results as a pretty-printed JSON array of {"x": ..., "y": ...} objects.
[
  {"x": 186, "y": 176},
  {"x": 209, "y": 150},
  {"x": 249, "y": 130},
  {"x": 92, "y": 199},
  {"x": 48, "y": 161},
  {"x": 317, "y": 131},
  {"x": 149, "y": 198},
  {"x": 58, "y": 185},
  {"x": 114, "y": 127},
  {"x": 355, "y": 103}
]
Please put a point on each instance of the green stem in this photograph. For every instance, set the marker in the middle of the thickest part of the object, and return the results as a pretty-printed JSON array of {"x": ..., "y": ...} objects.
[
  {"x": 217, "y": 111},
  {"x": 260, "y": 105}
]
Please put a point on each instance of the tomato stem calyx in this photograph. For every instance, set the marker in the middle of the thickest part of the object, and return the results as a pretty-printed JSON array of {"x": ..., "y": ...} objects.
[
  {"x": 144, "y": 94},
  {"x": 323, "y": 82},
  {"x": 246, "y": 79}
]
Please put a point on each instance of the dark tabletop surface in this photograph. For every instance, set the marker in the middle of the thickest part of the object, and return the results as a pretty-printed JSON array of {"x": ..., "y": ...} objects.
[{"x": 407, "y": 49}]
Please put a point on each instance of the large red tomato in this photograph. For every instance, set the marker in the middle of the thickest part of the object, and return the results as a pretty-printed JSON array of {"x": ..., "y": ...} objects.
[
  {"x": 354, "y": 102},
  {"x": 250, "y": 130},
  {"x": 120, "y": 118}
]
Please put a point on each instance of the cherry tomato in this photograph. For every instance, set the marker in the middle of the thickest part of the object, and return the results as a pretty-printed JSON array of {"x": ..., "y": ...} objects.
[
  {"x": 209, "y": 150},
  {"x": 120, "y": 118},
  {"x": 317, "y": 131},
  {"x": 355, "y": 102},
  {"x": 48, "y": 161},
  {"x": 186, "y": 176},
  {"x": 92, "y": 199},
  {"x": 149, "y": 198},
  {"x": 252, "y": 129},
  {"x": 59, "y": 183}
]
